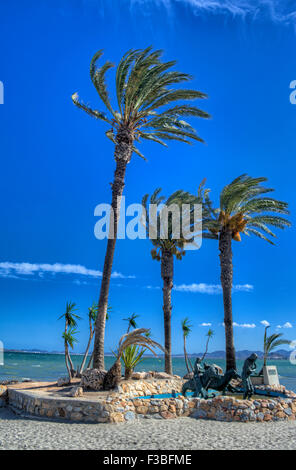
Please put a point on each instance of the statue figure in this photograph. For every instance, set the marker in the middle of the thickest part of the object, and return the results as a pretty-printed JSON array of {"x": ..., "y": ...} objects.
[
  {"x": 248, "y": 367},
  {"x": 206, "y": 377},
  {"x": 198, "y": 371}
]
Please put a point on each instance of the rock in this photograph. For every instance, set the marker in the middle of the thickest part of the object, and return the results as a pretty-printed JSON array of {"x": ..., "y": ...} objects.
[
  {"x": 76, "y": 391},
  {"x": 199, "y": 414},
  {"x": 129, "y": 416},
  {"x": 167, "y": 415},
  {"x": 2, "y": 403},
  {"x": 139, "y": 375},
  {"x": 3, "y": 391},
  {"x": 63, "y": 381},
  {"x": 93, "y": 379},
  {"x": 162, "y": 375}
]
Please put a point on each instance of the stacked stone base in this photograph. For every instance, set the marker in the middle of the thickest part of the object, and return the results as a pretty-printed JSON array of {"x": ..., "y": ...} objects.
[{"x": 128, "y": 404}]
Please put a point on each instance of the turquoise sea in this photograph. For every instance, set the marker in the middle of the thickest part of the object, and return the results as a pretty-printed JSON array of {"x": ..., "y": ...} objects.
[{"x": 40, "y": 366}]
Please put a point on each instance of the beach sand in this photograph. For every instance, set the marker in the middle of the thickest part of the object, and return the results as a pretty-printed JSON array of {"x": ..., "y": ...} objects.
[{"x": 19, "y": 432}]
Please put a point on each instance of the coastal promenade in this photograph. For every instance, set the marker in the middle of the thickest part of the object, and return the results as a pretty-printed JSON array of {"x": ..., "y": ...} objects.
[{"x": 17, "y": 432}]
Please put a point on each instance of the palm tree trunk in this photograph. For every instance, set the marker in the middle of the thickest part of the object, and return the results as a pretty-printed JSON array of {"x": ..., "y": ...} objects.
[
  {"x": 90, "y": 360},
  {"x": 185, "y": 355},
  {"x": 225, "y": 239},
  {"x": 86, "y": 353},
  {"x": 66, "y": 361},
  {"x": 167, "y": 273},
  {"x": 206, "y": 351},
  {"x": 113, "y": 376},
  {"x": 122, "y": 155}
]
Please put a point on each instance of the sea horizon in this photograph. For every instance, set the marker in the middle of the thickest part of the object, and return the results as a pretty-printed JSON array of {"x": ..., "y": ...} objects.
[{"x": 49, "y": 367}]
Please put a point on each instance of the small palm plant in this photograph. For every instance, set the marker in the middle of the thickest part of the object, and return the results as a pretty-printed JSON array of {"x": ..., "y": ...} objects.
[
  {"x": 92, "y": 316},
  {"x": 186, "y": 329},
  {"x": 69, "y": 340},
  {"x": 132, "y": 356},
  {"x": 146, "y": 109},
  {"x": 131, "y": 321},
  {"x": 270, "y": 343},
  {"x": 70, "y": 323},
  {"x": 167, "y": 246},
  {"x": 209, "y": 335},
  {"x": 244, "y": 209},
  {"x": 139, "y": 337}
]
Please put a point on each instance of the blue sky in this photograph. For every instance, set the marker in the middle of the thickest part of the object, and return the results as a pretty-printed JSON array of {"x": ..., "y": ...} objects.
[{"x": 56, "y": 165}]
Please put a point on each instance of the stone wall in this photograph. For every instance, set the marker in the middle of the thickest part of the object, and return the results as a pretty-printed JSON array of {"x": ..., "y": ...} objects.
[
  {"x": 120, "y": 406},
  {"x": 139, "y": 388}
]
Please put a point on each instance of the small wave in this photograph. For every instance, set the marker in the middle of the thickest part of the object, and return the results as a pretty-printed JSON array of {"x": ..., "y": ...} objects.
[{"x": 36, "y": 365}]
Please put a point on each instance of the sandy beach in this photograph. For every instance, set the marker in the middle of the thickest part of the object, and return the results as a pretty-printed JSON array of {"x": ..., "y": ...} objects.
[{"x": 19, "y": 432}]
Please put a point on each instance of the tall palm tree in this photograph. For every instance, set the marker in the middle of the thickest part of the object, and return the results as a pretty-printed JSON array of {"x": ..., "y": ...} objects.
[
  {"x": 270, "y": 343},
  {"x": 92, "y": 316},
  {"x": 186, "y": 329},
  {"x": 166, "y": 247},
  {"x": 131, "y": 321},
  {"x": 138, "y": 337},
  {"x": 244, "y": 209},
  {"x": 145, "y": 110},
  {"x": 109, "y": 310},
  {"x": 70, "y": 323},
  {"x": 209, "y": 335}
]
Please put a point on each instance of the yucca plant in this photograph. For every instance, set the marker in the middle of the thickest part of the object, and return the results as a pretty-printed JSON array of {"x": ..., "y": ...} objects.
[
  {"x": 69, "y": 340},
  {"x": 145, "y": 109},
  {"x": 139, "y": 337},
  {"x": 244, "y": 209},
  {"x": 270, "y": 343},
  {"x": 92, "y": 316},
  {"x": 132, "y": 356},
  {"x": 70, "y": 323},
  {"x": 167, "y": 246},
  {"x": 209, "y": 335},
  {"x": 186, "y": 329}
]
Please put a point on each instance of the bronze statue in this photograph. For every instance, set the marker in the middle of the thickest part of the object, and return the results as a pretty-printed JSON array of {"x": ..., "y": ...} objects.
[
  {"x": 248, "y": 367},
  {"x": 206, "y": 377}
]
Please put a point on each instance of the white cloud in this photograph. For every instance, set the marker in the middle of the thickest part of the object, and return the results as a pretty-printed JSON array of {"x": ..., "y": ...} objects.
[
  {"x": 244, "y": 325},
  {"x": 265, "y": 323},
  {"x": 285, "y": 325},
  {"x": 277, "y": 11},
  {"x": 203, "y": 288},
  {"x": 9, "y": 269},
  {"x": 206, "y": 324}
]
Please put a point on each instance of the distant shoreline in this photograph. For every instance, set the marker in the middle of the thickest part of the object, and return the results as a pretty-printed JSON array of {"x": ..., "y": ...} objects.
[{"x": 278, "y": 355}]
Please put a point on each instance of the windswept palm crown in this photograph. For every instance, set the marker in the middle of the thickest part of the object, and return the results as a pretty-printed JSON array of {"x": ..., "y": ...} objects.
[
  {"x": 170, "y": 243},
  {"x": 271, "y": 342},
  {"x": 131, "y": 321},
  {"x": 69, "y": 315},
  {"x": 138, "y": 337},
  {"x": 186, "y": 327},
  {"x": 144, "y": 85},
  {"x": 244, "y": 208}
]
